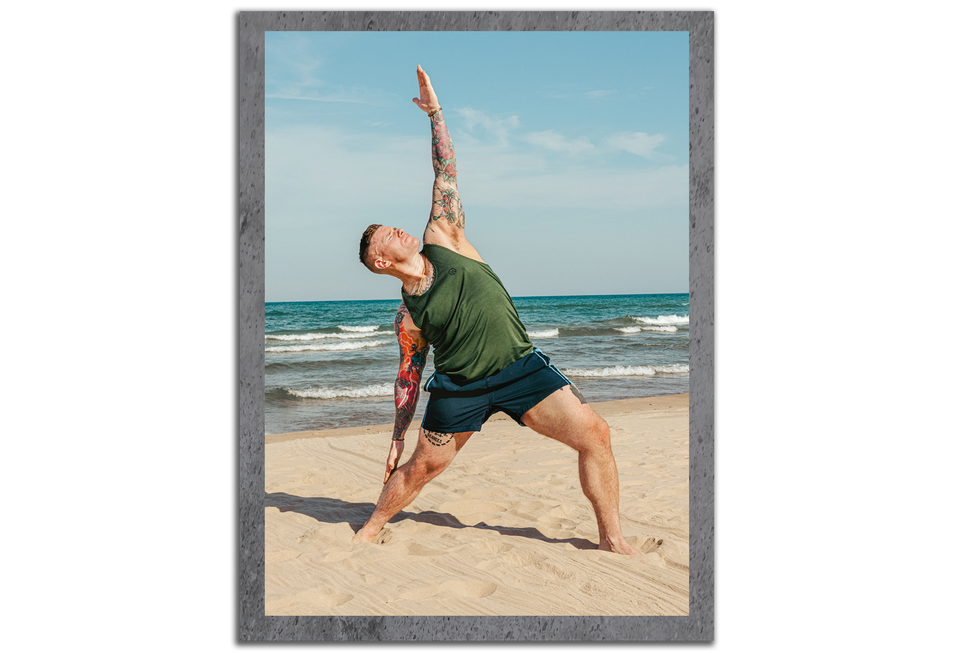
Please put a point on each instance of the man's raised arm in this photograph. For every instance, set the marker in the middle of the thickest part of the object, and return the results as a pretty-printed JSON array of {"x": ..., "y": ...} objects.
[
  {"x": 446, "y": 206},
  {"x": 413, "y": 349}
]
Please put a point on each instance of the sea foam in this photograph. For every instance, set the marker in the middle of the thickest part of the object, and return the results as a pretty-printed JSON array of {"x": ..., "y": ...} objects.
[
  {"x": 378, "y": 390},
  {"x": 664, "y": 319},
  {"x": 630, "y": 370},
  {"x": 357, "y": 329},
  {"x": 335, "y": 346},
  {"x": 546, "y": 333},
  {"x": 326, "y": 336}
]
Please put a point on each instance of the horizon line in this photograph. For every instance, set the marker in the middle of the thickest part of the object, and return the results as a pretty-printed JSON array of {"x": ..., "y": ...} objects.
[{"x": 303, "y": 301}]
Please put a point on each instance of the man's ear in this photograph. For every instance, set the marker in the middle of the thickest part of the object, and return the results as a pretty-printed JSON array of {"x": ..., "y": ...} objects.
[{"x": 382, "y": 264}]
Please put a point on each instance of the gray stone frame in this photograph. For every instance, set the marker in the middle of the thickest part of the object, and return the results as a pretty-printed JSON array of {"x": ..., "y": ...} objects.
[{"x": 253, "y": 624}]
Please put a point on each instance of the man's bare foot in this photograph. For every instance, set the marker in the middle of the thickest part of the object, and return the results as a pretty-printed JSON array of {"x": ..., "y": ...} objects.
[
  {"x": 621, "y": 547},
  {"x": 361, "y": 537},
  {"x": 366, "y": 537}
]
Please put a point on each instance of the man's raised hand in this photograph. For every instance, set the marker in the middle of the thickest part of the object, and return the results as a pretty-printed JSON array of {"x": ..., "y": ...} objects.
[{"x": 427, "y": 100}]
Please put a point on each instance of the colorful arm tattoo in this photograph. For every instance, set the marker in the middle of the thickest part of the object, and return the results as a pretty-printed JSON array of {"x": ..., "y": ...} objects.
[
  {"x": 445, "y": 194},
  {"x": 408, "y": 383}
]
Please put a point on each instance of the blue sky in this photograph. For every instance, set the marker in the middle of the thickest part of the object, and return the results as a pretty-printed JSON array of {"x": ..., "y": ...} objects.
[{"x": 572, "y": 151}]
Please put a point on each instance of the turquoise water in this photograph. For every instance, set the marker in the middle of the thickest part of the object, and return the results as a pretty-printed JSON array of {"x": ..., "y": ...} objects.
[{"x": 333, "y": 364}]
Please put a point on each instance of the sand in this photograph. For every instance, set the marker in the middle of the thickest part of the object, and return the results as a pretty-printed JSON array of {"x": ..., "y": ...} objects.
[{"x": 505, "y": 530}]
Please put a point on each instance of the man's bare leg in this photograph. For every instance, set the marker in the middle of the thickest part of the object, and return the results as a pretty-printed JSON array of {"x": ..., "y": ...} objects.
[
  {"x": 432, "y": 456},
  {"x": 565, "y": 417}
]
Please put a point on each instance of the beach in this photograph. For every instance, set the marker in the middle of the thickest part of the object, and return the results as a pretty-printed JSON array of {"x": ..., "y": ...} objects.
[{"x": 505, "y": 530}]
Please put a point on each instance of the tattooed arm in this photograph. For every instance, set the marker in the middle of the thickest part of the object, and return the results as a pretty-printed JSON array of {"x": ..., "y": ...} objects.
[
  {"x": 413, "y": 349},
  {"x": 446, "y": 218},
  {"x": 445, "y": 193}
]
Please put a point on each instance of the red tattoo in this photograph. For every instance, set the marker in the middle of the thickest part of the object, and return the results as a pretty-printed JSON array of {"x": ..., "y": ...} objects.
[{"x": 409, "y": 380}]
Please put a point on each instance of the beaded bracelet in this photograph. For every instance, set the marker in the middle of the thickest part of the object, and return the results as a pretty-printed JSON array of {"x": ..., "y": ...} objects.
[{"x": 435, "y": 112}]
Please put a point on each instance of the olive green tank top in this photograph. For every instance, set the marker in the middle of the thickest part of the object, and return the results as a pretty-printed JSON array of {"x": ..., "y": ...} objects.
[{"x": 468, "y": 318}]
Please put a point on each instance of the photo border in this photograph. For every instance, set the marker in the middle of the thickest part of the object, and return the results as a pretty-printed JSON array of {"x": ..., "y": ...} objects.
[{"x": 254, "y": 625}]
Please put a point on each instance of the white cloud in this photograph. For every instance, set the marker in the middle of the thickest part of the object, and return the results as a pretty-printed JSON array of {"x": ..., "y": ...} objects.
[
  {"x": 295, "y": 71},
  {"x": 554, "y": 141},
  {"x": 486, "y": 184},
  {"x": 374, "y": 177},
  {"x": 500, "y": 128},
  {"x": 595, "y": 95},
  {"x": 294, "y": 66},
  {"x": 639, "y": 143},
  {"x": 341, "y": 95},
  {"x": 321, "y": 168}
]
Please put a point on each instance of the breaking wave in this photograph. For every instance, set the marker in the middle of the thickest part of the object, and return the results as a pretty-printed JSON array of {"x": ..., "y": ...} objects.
[
  {"x": 377, "y": 390},
  {"x": 630, "y": 370},
  {"x": 334, "y": 346}
]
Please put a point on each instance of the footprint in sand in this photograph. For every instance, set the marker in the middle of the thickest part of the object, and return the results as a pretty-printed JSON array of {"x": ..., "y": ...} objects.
[
  {"x": 473, "y": 589},
  {"x": 419, "y": 550},
  {"x": 323, "y": 599},
  {"x": 483, "y": 493},
  {"x": 463, "y": 507},
  {"x": 281, "y": 556},
  {"x": 645, "y": 544},
  {"x": 491, "y": 547},
  {"x": 333, "y": 600},
  {"x": 311, "y": 602},
  {"x": 420, "y": 593},
  {"x": 337, "y": 556}
]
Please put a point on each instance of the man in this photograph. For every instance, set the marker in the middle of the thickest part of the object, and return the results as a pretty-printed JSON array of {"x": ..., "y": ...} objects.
[{"x": 484, "y": 361}]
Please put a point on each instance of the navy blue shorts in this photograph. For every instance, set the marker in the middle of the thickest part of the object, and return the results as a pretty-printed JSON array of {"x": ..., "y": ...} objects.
[{"x": 514, "y": 390}]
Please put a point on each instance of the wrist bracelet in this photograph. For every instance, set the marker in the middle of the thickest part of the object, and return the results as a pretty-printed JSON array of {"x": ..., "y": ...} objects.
[{"x": 435, "y": 112}]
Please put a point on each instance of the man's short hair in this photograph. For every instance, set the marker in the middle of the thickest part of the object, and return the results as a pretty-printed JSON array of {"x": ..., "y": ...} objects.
[{"x": 365, "y": 244}]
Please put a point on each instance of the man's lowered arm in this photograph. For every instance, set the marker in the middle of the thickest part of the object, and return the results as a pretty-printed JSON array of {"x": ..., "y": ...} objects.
[{"x": 413, "y": 350}]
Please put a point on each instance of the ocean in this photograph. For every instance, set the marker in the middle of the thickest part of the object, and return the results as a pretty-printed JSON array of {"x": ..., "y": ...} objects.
[{"x": 333, "y": 364}]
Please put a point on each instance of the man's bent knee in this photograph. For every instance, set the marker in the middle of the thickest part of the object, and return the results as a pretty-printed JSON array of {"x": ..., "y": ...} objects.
[
  {"x": 434, "y": 453},
  {"x": 598, "y": 432},
  {"x": 422, "y": 470}
]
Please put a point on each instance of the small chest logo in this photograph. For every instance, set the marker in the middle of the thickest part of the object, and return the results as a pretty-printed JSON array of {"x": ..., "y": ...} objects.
[{"x": 452, "y": 270}]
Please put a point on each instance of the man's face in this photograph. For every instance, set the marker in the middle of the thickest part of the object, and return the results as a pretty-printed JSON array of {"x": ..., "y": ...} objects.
[{"x": 393, "y": 245}]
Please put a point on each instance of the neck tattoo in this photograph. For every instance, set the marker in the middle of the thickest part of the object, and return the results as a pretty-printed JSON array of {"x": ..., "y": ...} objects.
[{"x": 418, "y": 288}]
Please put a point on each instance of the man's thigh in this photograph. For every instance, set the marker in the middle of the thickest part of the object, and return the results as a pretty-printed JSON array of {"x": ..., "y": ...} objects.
[
  {"x": 564, "y": 416},
  {"x": 435, "y": 449}
]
